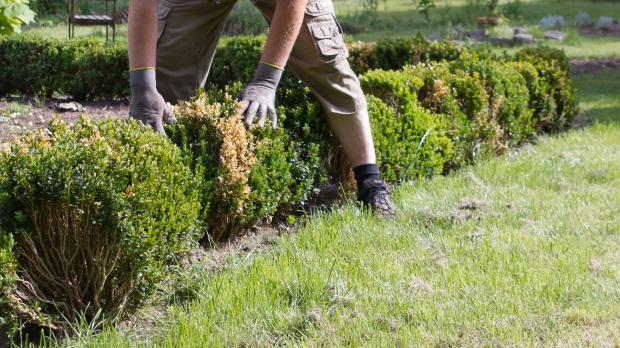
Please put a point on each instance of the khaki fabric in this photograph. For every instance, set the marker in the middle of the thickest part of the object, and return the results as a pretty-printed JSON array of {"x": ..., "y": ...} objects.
[{"x": 188, "y": 32}]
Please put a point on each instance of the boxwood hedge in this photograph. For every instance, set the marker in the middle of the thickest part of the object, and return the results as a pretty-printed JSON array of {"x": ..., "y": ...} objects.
[
  {"x": 35, "y": 65},
  {"x": 90, "y": 69},
  {"x": 97, "y": 211}
]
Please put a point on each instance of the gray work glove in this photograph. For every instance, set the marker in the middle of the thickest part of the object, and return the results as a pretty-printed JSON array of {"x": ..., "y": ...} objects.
[
  {"x": 147, "y": 105},
  {"x": 259, "y": 96}
]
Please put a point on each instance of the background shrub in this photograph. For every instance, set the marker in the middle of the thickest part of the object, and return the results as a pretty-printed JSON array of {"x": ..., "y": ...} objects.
[
  {"x": 90, "y": 69},
  {"x": 85, "y": 68},
  {"x": 395, "y": 53},
  {"x": 98, "y": 212},
  {"x": 95, "y": 71},
  {"x": 29, "y": 65},
  {"x": 229, "y": 65},
  {"x": 13, "y": 14},
  {"x": 236, "y": 60},
  {"x": 245, "y": 19}
]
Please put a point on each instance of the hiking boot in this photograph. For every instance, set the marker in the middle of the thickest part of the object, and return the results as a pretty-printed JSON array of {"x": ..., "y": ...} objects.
[{"x": 374, "y": 195}]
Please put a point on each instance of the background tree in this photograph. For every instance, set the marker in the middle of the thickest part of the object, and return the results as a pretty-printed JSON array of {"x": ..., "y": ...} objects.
[{"x": 13, "y": 14}]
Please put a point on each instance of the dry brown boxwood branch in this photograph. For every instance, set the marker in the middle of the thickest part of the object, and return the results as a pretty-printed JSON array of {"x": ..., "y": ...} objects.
[{"x": 235, "y": 160}]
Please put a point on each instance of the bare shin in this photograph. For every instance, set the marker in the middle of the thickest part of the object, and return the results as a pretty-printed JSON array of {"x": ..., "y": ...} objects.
[{"x": 353, "y": 133}]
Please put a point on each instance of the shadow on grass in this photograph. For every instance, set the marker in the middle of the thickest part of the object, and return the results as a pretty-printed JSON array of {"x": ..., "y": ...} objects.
[
  {"x": 605, "y": 115},
  {"x": 599, "y": 95}
]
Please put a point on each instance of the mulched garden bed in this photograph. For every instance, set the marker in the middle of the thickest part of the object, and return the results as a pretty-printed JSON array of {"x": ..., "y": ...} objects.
[{"x": 16, "y": 116}]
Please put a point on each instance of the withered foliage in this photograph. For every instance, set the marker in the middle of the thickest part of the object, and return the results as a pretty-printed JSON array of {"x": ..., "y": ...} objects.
[
  {"x": 235, "y": 158},
  {"x": 250, "y": 174}
]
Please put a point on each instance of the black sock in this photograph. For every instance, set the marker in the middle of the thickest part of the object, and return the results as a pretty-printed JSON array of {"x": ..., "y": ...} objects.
[{"x": 364, "y": 172}]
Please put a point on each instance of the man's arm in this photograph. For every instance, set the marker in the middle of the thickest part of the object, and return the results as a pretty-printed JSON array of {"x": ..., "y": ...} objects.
[
  {"x": 284, "y": 29},
  {"x": 142, "y": 31},
  {"x": 259, "y": 95},
  {"x": 146, "y": 104}
]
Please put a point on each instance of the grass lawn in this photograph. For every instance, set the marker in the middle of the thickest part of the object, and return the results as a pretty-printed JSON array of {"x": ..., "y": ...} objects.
[
  {"x": 522, "y": 250},
  {"x": 60, "y": 31},
  {"x": 400, "y": 17},
  {"x": 577, "y": 46}
]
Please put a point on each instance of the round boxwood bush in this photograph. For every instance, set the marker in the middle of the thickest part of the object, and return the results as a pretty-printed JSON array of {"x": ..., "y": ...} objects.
[
  {"x": 458, "y": 98},
  {"x": 98, "y": 212},
  {"x": 556, "y": 101},
  {"x": 409, "y": 140},
  {"x": 509, "y": 98}
]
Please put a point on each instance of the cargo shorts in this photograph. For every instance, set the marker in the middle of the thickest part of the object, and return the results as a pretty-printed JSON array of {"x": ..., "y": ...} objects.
[{"x": 188, "y": 32}]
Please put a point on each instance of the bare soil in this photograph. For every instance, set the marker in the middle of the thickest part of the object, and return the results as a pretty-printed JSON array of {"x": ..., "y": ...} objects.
[
  {"x": 593, "y": 66},
  {"x": 18, "y": 115},
  {"x": 591, "y": 30}
]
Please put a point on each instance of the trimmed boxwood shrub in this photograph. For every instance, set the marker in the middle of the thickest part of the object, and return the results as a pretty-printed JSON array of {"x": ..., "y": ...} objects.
[
  {"x": 400, "y": 125},
  {"x": 90, "y": 69},
  {"x": 542, "y": 100},
  {"x": 543, "y": 53},
  {"x": 463, "y": 102},
  {"x": 8, "y": 267},
  {"x": 236, "y": 60},
  {"x": 29, "y": 65},
  {"x": 409, "y": 140},
  {"x": 553, "y": 69},
  {"x": 509, "y": 98},
  {"x": 248, "y": 174},
  {"x": 98, "y": 211},
  {"x": 459, "y": 99},
  {"x": 95, "y": 71},
  {"x": 230, "y": 64}
]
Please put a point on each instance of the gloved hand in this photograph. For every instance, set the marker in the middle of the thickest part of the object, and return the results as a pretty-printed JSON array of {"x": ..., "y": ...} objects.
[
  {"x": 147, "y": 105},
  {"x": 260, "y": 96}
]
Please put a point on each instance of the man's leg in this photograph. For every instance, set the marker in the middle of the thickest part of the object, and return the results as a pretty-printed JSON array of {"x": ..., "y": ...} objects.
[
  {"x": 187, "y": 35},
  {"x": 319, "y": 59}
]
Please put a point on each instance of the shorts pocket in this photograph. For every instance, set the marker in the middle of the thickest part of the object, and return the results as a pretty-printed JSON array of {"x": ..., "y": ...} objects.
[
  {"x": 319, "y": 7},
  {"x": 162, "y": 15},
  {"x": 327, "y": 35}
]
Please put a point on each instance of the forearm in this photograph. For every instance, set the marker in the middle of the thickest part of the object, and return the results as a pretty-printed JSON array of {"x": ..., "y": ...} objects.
[
  {"x": 142, "y": 33},
  {"x": 283, "y": 32}
]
